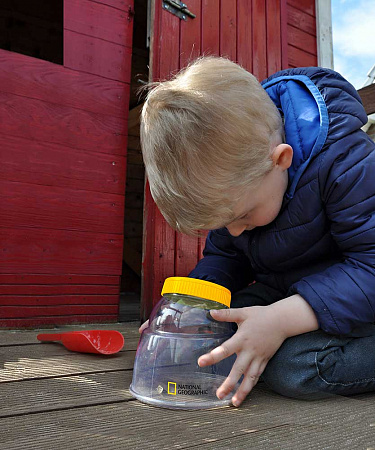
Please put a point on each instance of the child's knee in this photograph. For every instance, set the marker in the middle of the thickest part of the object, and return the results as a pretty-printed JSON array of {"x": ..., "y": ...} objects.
[{"x": 294, "y": 375}]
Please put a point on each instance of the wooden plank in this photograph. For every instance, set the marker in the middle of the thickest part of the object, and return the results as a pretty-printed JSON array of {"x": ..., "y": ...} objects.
[
  {"x": 304, "y": 41},
  {"x": 299, "y": 19},
  {"x": 169, "y": 50},
  {"x": 35, "y": 119},
  {"x": 244, "y": 35},
  {"x": 306, "y": 6},
  {"x": 99, "y": 20},
  {"x": 299, "y": 58},
  {"x": 92, "y": 298},
  {"x": 42, "y": 80},
  {"x": 59, "y": 251},
  {"x": 284, "y": 7},
  {"x": 64, "y": 167},
  {"x": 119, "y": 4},
  {"x": 186, "y": 254},
  {"x": 210, "y": 44},
  {"x": 66, "y": 392},
  {"x": 190, "y": 40},
  {"x": 15, "y": 312},
  {"x": 28, "y": 205},
  {"x": 228, "y": 29},
  {"x": 186, "y": 248},
  {"x": 69, "y": 364},
  {"x": 58, "y": 279},
  {"x": 59, "y": 289},
  {"x": 367, "y": 95},
  {"x": 164, "y": 238},
  {"x": 164, "y": 254},
  {"x": 98, "y": 57},
  {"x": 274, "y": 51},
  {"x": 267, "y": 422},
  {"x": 38, "y": 322},
  {"x": 259, "y": 39}
]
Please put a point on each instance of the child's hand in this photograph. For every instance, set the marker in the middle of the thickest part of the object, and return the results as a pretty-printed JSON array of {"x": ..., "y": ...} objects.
[
  {"x": 143, "y": 326},
  {"x": 257, "y": 339}
]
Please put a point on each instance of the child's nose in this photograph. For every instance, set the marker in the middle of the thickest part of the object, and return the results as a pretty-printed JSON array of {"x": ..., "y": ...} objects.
[{"x": 236, "y": 230}]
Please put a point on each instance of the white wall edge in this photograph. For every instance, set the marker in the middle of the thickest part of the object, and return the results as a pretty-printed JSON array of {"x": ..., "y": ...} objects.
[{"x": 324, "y": 33}]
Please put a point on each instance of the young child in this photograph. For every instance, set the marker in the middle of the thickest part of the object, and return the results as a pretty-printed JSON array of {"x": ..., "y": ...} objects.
[{"x": 285, "y": 178}]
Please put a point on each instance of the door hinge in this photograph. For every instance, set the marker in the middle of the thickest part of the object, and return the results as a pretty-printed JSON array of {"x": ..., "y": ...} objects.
[{"x": 178, "y": 8}]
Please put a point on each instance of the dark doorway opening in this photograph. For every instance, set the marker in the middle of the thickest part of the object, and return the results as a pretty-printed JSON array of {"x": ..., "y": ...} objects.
[{"x": 33, "y": 28}]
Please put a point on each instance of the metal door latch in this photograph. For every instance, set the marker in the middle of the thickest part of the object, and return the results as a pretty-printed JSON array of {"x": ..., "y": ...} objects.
[{"x": 178, "y": 8}]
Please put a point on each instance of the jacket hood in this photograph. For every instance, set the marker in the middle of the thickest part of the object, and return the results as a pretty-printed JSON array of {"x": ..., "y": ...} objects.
[{"x": 318, "y": 107}]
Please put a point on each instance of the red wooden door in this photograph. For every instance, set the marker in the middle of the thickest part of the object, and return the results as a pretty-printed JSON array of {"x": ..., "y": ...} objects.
[
  {"x": 258, "y": 34},
  {"x": 63, "y": 151}
]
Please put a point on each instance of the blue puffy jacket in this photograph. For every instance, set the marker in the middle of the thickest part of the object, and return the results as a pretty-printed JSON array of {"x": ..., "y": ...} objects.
[{"x": 322, "y": 244}]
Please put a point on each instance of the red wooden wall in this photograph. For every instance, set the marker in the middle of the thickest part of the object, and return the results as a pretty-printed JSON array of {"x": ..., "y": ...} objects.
[
  {"x": 263, "y": 36},
  {"x": 62, "y": 173}
]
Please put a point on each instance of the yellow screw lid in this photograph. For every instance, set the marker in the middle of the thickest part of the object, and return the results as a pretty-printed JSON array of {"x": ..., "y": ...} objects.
[{"x": 197, "y": 288}]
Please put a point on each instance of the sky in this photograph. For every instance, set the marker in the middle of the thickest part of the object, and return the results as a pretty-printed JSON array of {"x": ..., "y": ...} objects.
[{"x": 353, "y": 31}]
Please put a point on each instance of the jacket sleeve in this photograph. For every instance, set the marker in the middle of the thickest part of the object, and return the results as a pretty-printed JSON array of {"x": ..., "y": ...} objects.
[
  {"x": 343, "y": 296},
  {"x": 223, "y": 263}
]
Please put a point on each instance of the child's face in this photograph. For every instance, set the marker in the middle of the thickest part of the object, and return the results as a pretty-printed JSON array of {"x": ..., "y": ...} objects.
[{"x": 261, "y": 206}]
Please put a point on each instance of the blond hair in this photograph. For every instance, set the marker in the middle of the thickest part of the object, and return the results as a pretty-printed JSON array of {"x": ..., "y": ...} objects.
[{"x": 206, "y": 137}]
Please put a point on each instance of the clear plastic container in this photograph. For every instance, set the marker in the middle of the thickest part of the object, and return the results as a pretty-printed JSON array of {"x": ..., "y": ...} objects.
[{"x": 166, "y": 371}]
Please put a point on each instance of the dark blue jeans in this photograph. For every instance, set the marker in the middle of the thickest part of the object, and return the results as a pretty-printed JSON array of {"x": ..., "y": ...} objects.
[{"x": 316, "y": 364}]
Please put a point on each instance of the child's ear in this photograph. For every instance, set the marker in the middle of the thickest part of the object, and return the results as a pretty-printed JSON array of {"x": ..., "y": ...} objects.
[{"x": 282, "y": 156}]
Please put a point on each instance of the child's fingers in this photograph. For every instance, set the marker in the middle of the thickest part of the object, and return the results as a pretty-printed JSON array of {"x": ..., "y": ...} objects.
[
  {"x": 219, "y": 353},
  {"x": 250, "y": 379},
  {"x": 227, "y": 315},
  {"x": 143, "y": 326},
  {"x": 239, "y": 368}
]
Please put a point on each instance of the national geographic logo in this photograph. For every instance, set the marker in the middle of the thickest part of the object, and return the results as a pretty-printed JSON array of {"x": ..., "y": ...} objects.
[{"x": 186, "y": 389}]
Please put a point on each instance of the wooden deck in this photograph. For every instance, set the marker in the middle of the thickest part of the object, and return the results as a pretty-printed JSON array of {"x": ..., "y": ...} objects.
[{"x": 55, "y": 399}]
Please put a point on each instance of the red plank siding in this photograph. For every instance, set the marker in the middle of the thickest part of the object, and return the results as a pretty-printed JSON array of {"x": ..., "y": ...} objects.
[
  {"x": 43, "y": 321},
  {"x": 98, "y": 20},
  {"x": 306, "y": 6},
  {"x": 273, "y": 37},
  {"x": 59, "y": 251},
  {"x": 190, "y": 46},
  {"x": 124, "y": 5},
  {"x": 63, "y": 151},
  {"x": 41, "y": 80},
  {"x": 210, "y": 28},
  {"x": 300, "y": 30},
  {"x": 259, "y": 39},
  {"x": 61, "y": 300},
  {"x": 299, "y": 58},
  {"x": 301, "y": 40},
  {"x": 27, "y": 206},
  {"x": 112, "y": 61},
  {"x": 37, "y": 289},
  {"x": 228, "y": 29},
  {"x": 15, "y": 312},
  {"x": 47, "y": 122},
  {"x": 58, "y": 279},
  {"x": 164, "y": 237},
  {"x": 303, "y": 21},
  {"x": 244, "y": 34},
  {"x": 65, "y": 166}
]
